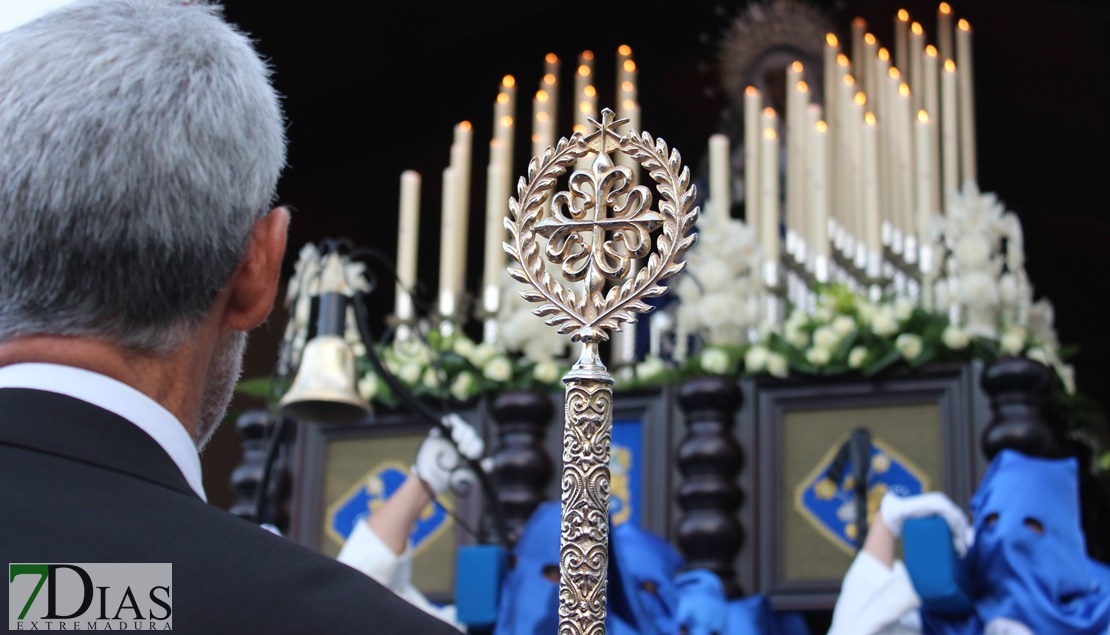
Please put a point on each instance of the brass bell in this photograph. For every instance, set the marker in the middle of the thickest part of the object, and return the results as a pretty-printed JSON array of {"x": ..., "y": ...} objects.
[{"x": 324, "y": 389}]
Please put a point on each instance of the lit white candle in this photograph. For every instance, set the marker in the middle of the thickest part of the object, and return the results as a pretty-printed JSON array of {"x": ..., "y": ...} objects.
[
  {"x": 931, "y": 105},
  {"x": 462, "y": 151},
  {"x": 753, "y": 104},
  {"x": 903, "y": 141},
  {"x": 849, "y": 212},
  {"x": 944, "y": 31},
  {"x": 872, "y": 233},
  {"x": 813, "y": 113},
  {"x": 719, "y": 179},
  {"x": 408, "y": 236},
  {"x": 870, "y": 75},
  {"x": 449, "y": 258},
  {"x": 818, "y": 146},
  {"x": 917, "y": 66},
  {"x": 505, "y": 122},
  {"x": 831, "y": 86},
  {"x": 497, "y": 206},
  {"x": 922, "y": 142},
  {"x": 950, "y": 162},
  {"x": 858, "y": 28},
  {"x": 967, "y": 103},
  {"x": 539, "y": 123},
  {"x": 583, "y": 86},
  {"x": 901, "y": 40},
  {"x": 769, "y": 192},
  {"x": 793, "y": 125}
]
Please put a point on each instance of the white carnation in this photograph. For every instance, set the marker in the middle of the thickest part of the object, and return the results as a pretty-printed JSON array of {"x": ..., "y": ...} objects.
[
  {"x": 1008, "y": 289},
  {"x": 843, "y": 325},
  {"x": 755, "y": 360},
  {"x": 481, "y": 354},
  {"x": 883, "y": 322},
  {"x": 978, "y": 289},
  {"x": 714, "y": 274},
  {"x": 972, "y": 251},
  {"x": 797, "y": 337},
  {"x": 1012, "y": 341},
  {"x": 857, "y": 356},
  {"x": 547, "y": 371},
  {"x": 909, "y": 345},
  {"x": 368, "y": 386},
  {"x": 817, "y": 356},
  {"x": 464, "y": 386},
  {"x": 826, "y": 337},
  {"x": 651, "y": 367},
  {"x": 903, "y": 309},
  {"x": 498, "y": 368},
  {"x": 410, "y": 373},
  {"x": 715, "y": 309},
  {"x": 776, "y": 365},
  {"x": 463, "y": 346},
  {"x": 1040, "y": 354},
  {"x": 714, "y": 360},
  {"x": 954, "y": 337}
]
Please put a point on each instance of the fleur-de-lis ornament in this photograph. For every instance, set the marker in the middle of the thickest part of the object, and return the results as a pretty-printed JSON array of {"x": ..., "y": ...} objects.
[{"x": 597, "y": 231}]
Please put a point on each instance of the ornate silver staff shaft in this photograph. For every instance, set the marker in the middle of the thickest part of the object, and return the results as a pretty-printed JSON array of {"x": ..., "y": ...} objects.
[{"x": 595, "y": 230}]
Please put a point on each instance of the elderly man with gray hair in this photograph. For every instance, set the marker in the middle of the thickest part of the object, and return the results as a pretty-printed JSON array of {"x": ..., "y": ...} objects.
[{"x": 140, "y": 147}]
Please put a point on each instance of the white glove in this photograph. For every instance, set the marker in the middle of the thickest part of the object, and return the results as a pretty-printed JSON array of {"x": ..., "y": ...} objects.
[
  {"x": 437, "y": 461},
  {"x": 895, "y": 510}
]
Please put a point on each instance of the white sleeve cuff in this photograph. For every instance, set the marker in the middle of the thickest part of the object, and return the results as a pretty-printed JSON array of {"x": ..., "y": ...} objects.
[
  {"x": 873, "y": 597},
  {"x": 365, "y": 551}
]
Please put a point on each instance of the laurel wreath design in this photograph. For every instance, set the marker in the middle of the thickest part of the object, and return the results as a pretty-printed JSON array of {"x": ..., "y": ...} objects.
[{"x": 591, "y": 316}]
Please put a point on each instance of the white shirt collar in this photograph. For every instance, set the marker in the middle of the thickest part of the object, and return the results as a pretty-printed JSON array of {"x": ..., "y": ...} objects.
[{"x": 114, "y": 396}]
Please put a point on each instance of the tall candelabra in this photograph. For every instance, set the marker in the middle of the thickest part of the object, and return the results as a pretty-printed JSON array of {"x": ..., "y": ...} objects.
[{"x": 597, "y": 231}]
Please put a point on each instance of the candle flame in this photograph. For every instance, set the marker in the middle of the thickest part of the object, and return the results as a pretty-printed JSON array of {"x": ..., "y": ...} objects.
[
  {"x": 944, "y": 8},
  {"x": 949, "y": 66},
  {"x": 869, "y": 118},
  {"x": 917, "y": 29},
  {"x": 508, "y": 81},
  {"x": 584, "y": 70},
  {"x": 894, "y": 73},
  {"x": 586, "y": 56},
  {"x": 842, "y": 60},
  {"x": 549, "y": 79},
  {"x": 963, "y": 25},
  {"x": 541, "y": 116},
  {"x": 922, "y": 116},
  {"x": 590, "y": 91},
  {"x": 860, "y": 98},
  {"x": 849, "y": 80},
  {"x": 769, "y": 133},
  {"x": 884, "y": 55},
  {"x": 551, "y": 58},
  {"x": 629, "y": 104},
  {"x": 869, "y": 39},
  {"x": 796, "y": 66},
  {"x": 506, "y": 121},
  {"x": 464, "y": 125},
  {"x": 821, "y": 126},
  {"x": 858, "y": 21},
  {"x": 629, "y": 66},
  {"x": 584, "y": 107},
  {"x": 830, "y": 39},
  {"x": 502, "y": 98},
  {"x": 903, "y": 15},
  {"x": 802, "y": 86},
  {"x": 542, "y": 95},
  {"x": 931, "y": 50},
  {"x": 751, "y": 90},
  {"x": 769, "y": 112},
  {"x": 628, "y": 86},
  {"x": 904, "y": 89},
  {"x": 624, "y": 50}
]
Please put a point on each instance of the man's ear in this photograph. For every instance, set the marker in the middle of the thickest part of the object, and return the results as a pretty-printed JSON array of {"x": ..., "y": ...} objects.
[{"x": 254, "y": 285}]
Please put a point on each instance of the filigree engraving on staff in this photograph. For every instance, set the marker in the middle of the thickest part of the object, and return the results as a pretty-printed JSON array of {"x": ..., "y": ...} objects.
[{"x": 595, "y": 230}]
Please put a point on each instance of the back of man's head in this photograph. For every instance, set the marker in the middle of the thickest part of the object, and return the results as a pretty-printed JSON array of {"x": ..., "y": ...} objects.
[{"x": 139, "y": 142}]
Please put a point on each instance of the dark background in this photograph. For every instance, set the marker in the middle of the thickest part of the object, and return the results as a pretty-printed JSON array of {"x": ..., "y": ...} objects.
[{"x": 374, "y": 88}]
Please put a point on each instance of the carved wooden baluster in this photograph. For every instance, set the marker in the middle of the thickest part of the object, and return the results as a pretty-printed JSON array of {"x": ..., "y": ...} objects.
[
  {"x": 1017, "y": 387},
  {"x": 522, "y": 467},
  {"x": 254, "y": 428},
  {"x": 709, "y": 532}
]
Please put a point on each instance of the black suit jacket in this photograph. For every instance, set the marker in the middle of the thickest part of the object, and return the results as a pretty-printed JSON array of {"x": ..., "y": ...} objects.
[{"x": 79, "y": 484}]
